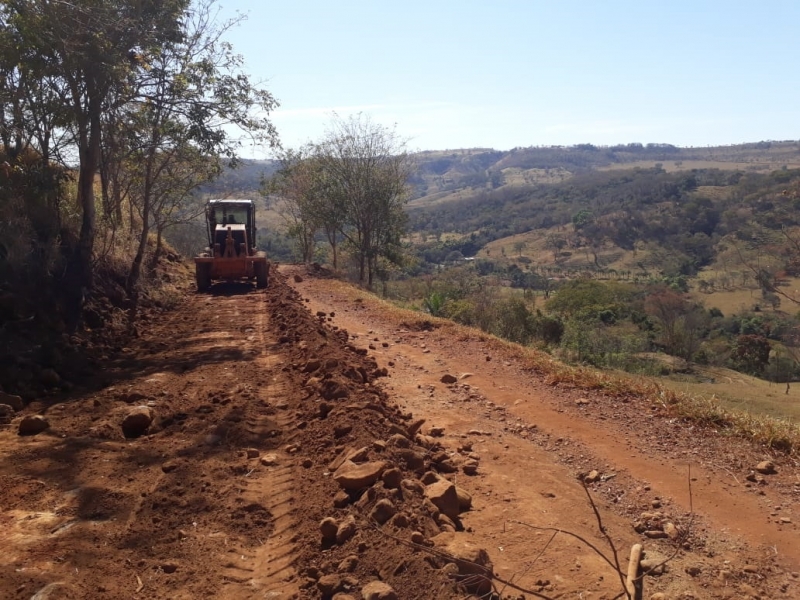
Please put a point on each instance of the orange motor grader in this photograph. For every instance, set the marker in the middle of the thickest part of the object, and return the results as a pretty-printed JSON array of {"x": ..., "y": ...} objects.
[{"x": 231, "y": 253}]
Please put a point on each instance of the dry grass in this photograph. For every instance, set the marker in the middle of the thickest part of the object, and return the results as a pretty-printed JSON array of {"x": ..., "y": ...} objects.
[
  {"x": 738, "y": 391},
  {"x": 758, "y": 422}
]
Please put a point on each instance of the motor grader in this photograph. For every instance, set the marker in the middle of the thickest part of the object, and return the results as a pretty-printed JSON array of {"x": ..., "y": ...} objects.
[{"x": 231, "y": 254}]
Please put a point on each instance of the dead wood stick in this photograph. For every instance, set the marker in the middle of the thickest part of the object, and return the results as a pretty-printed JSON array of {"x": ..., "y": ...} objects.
[{"x": 634, "y": 582}]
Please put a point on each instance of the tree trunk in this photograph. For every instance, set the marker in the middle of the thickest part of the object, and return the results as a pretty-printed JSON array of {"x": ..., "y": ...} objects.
[
  {"x": 159, "y": 247},
  {"x": 80, "y": 274},
  {"x": 132, "y": 284}
]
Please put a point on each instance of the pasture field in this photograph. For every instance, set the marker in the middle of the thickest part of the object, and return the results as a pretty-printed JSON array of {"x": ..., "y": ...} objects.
[{"x": 737, "y": 391}]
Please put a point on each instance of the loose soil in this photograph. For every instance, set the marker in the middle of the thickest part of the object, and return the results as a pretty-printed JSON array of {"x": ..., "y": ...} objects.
[{"x": 259, "y": 396}]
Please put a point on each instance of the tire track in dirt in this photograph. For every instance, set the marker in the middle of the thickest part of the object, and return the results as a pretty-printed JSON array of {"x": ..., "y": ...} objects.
[
  {"x": 269, "y": 571},
  {"x": 181, "y": 512}
]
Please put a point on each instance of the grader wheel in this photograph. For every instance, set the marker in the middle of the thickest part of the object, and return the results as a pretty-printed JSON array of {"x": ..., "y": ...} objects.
[
  {"x": 262, "y": 278},
  {"x": 202, "y": 275}
]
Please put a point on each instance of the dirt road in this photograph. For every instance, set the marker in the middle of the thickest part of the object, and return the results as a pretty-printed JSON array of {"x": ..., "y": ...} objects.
[{"x": 260, "y": 403}]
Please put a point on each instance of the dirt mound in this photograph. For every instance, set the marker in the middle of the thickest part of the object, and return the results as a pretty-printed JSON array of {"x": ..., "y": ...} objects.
[{"x": 346, "y": 420}]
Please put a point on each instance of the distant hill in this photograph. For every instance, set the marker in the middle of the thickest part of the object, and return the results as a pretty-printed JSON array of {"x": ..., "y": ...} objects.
[
  {"x": 652, "y": 207},
  {"x": 655, "y": 208}
]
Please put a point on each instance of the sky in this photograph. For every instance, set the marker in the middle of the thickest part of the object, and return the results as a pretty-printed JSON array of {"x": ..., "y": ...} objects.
[{"x": 515, "y": 73}]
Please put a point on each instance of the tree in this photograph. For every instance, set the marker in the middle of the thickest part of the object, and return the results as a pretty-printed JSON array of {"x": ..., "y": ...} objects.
[
  {"x": 750, "y": 354},
  {"x": 668, "y": 307},
  {"x": 296, "y": 182},
  {"x": 85, "y": 52},
  {"x": 177, "y": 124},
  {"x": 365, "y": 169},
  {"x": 141, "y": 92}
]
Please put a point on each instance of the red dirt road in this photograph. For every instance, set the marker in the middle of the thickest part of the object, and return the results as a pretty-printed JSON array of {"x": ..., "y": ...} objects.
[
  {"x": 257, "y": 399},
  {"x": 544, "y": 436}
]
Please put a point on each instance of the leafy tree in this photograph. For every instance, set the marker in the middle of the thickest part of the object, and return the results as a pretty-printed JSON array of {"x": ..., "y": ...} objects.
[
  {"x": 588, "y": 297},
  {"x": 750, "y": 354},
  {"x": 140, "y": 92},
  {"x": 86, "y": 53},
  {"x": 364, "y": 172}
]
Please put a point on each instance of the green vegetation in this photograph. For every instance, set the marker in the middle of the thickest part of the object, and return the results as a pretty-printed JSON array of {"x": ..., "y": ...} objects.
[
  {"x": 114, "y": 114},
  {"x": 350, "y": 187}
]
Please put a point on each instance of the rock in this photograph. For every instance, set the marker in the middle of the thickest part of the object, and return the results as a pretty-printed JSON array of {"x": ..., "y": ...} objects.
[
  {"x": 398, "y": 440},
  {"x": 414, "y": 460},
  {"x": 448, "y": 379},
  {"x": 430, "y": 477},
  {"x": 464, "y": 500},
  {"x": 470, "y": 467},
  {"x": 13, "y": 401},
  {"x": 137, "y": 421},
  {"x": 655, "y": 534},
  {"x": 443, "y": 495},
  {"x": 169, "y": 566},
  {"x": 392, "y": 478},
  {"x": 672, "y": 531},
  {"x": 382, "y": 511},
  {"x": 6, "y": 414},
  {"x": 49, "y": 378},
  {"x": 349, "y": 564},
  {"x": 312, "y": 365},
  {"x": 346, "y": 530},
  {"x": 653, "y": 567},
  {"x": 412, "y": 486},
  {"x": 446, "y": 466},
  {"x": 328, "y": 527},
  {"x": 592, "y": 476},
  {"x": 298, "y": 279},
  {"x": 417, "y": 538},
  {"x": 328, "y": 585},
  {"x": 33, "y": 424},
  {"x": 581, "y": 402},
  {"x": 445, "y": 523},
  {"x": 269, "y": 460},
  {"x": 751, "y": 569},
  {"x": 252, "y": 453},
  {"x": 693, "y": 570},
  {"x": 766, "y": 467},
  {"x": 427, "y": 441},
  {"x": 342, "y": 430},
  {"x": 133, "y": 397},
  {"x": 436, "y": 432},
  {"x": 377, "y": 590},
  {"x": 400, "y": 521},
  {"x": 414, "y": 428},
  {"x": 352, "y": 477},
  {"x": 465, "y": 375},
  {"x": 341, "y": 499},
  {"x": 475, "y": 569}
]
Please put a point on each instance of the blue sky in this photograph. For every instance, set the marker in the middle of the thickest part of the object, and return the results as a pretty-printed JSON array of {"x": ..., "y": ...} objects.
[{"x": 500, "y": 74}]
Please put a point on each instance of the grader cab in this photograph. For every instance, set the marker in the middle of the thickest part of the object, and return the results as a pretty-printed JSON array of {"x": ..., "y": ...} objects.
[{"x": 231, "y": 254}]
